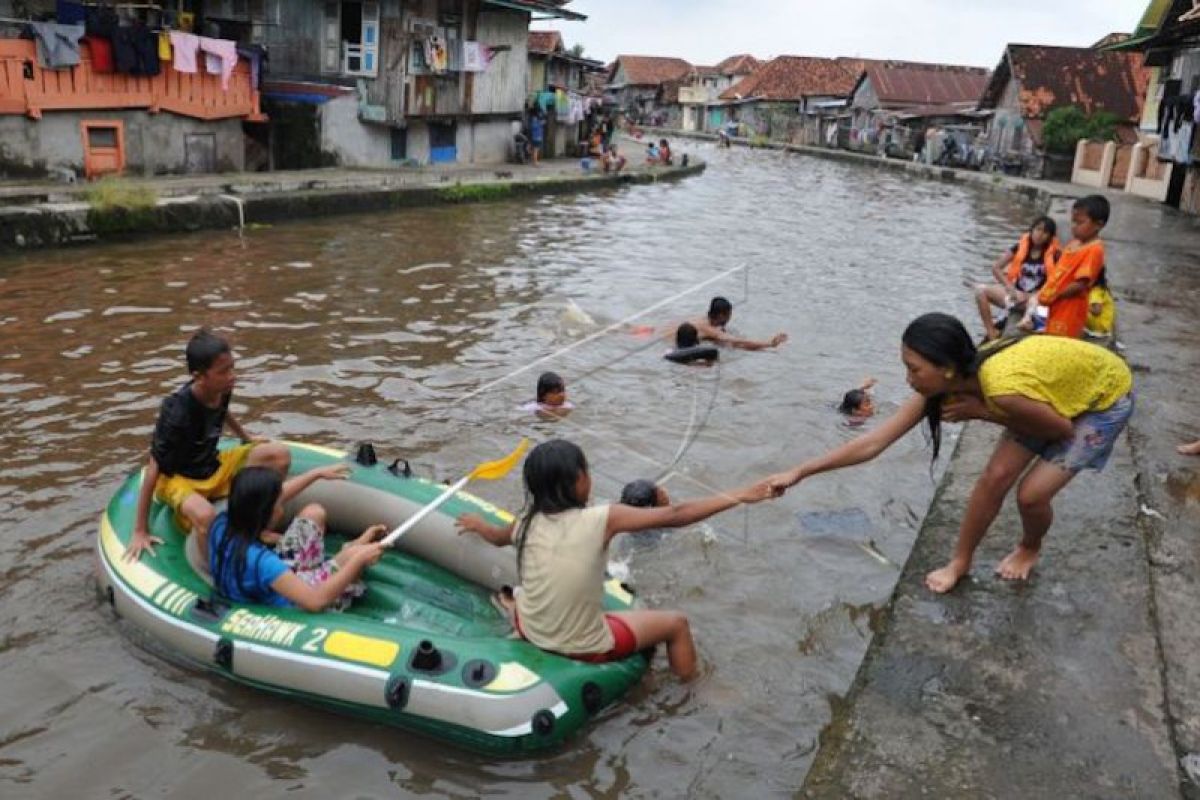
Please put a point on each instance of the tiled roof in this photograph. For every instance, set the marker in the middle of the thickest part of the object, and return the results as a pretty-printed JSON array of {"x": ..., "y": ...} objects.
[
  {"x": 1053, "y": 77},
  {"x": 902, "y": 83},
  {"x": 743, "y": 64},
  {"x": 650, "y": 70},
  {"x": 794, "y": 77},
  {"x": 545, "y": 42}
]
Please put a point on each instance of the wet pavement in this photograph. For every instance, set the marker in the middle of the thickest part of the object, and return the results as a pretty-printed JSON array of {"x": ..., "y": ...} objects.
[{"x": 1083, "y": 682}]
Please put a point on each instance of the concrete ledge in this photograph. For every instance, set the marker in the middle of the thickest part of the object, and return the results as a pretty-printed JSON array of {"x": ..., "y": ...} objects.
[{"x": 74, "y": 221}]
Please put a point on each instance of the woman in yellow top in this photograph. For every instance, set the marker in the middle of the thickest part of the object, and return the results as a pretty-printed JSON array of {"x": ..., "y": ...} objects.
[{"x": 1063, "y": 402}]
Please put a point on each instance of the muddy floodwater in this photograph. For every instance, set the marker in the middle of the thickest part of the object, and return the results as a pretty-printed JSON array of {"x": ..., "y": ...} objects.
[{"x": 376, "y": 328}]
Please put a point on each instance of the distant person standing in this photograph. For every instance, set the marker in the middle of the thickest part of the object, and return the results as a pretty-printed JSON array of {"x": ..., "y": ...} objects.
[{"x": 537, "y": 134}]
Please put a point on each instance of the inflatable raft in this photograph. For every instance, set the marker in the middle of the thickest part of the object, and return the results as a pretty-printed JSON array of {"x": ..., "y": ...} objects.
[{"x": 424, "y": 649}]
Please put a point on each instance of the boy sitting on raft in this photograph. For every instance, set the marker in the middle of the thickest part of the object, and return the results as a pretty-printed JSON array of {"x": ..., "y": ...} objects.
[
  {"x": 185, "y": 469},
  {"x": 712, "y": 328}
]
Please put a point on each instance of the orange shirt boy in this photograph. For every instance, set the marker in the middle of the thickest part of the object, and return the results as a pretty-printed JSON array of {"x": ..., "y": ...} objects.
[{"x": 1077, "y": 270}]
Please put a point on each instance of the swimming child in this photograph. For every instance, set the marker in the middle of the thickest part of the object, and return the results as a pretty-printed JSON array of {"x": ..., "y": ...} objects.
[
  {"x": 652, "y": 155},
  {"x": 1189, "y": 449},
  {"x": 186, "y": 471},
  {"x": 857, "y": 404},
  {"x": 664, "y": 152},
  {"x": 712, "y": 328},
  {"x": 1020, "y": 273},
  {"x": 644, "y": 494},
  {"x": 551, "y": 401},
  {"x": 687, "y": 337},
  {"x": 295, "y": 572},
  {"x": 562, "y": 547}
]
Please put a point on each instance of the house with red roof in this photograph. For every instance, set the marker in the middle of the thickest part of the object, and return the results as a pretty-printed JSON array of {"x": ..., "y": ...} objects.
[
  {"x": 635, "y": 84},
  {"x": 1032, "y": 80},
  {"x": 786, "y": 99},
  {"x": 895, "y": 102}
]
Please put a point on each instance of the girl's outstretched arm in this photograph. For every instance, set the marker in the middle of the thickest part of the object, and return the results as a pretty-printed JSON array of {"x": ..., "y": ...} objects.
[
  {"x": 498, "y": 535},
  {"x": 858, "y": 450},
  {"x": 317, "y": 598},
  {"x": 628, "y": 519},
  {"x": 296, "y": 485}
]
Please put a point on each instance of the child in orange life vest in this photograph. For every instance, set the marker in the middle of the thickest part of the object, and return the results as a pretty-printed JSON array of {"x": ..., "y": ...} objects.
[
  {"x": 1077, "y": 271},
  {"x": 1019, "y": 273}
]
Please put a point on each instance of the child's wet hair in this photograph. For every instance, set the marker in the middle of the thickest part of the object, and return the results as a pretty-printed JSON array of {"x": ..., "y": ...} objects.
[
  {"x": 203, "y": 350},
  {"x": 1046, "y": 224},
  {"x": 686, "y": 335},
  {"x": 719, "y": 307},
  {"x": 1095, "y": 206},
  {"x": 852, "y": 401},
  {"x": 252, "y": 500},
  {"x": 549, "y": 382},
  {"x": 640, "y": 494}
]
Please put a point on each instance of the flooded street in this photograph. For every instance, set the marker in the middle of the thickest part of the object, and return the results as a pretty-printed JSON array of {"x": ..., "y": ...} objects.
[{"x": 377, "y": 328}]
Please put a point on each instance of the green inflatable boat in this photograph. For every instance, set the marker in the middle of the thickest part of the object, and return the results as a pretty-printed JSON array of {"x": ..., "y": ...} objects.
[{"x": 424, "y": 649}]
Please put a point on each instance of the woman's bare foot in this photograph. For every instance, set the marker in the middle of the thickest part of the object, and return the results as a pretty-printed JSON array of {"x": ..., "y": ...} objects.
[
  {"x": 1017, "y": 565},
  {"x": 944, "y": 579},
  {"x": 1192, "y": 449}
]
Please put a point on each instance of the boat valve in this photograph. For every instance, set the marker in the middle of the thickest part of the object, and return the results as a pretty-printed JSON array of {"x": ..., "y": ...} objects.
[{"x": 427, "y": 658}]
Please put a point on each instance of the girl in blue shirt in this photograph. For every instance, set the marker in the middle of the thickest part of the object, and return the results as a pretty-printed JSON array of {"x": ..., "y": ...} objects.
[{"x": 296, "y": 573}]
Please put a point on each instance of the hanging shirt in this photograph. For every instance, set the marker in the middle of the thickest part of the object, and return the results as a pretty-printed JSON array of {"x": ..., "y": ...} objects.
[
  {"x": 184, "y": 47},
  {"x": 253, "y": 583},
  {"x": 101, "y": 53},
  {"x": 57, "y": 45},
  {"x": 164, "y": 46},
  {"x": 221, "y": 56}
]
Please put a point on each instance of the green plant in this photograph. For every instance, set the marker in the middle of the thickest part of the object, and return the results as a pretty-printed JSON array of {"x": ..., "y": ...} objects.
[
  {"x": 1064, "y": 127},
  {"x": 109, "y": 194},
  {"x": 475, "y": 192}
]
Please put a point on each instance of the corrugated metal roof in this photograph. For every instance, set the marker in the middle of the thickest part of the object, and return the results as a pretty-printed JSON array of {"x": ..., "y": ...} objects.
[
  {"x": 545, "y": 41},
  {"x": 899, "y": 84},
  {"x": 794, "y": 77}
]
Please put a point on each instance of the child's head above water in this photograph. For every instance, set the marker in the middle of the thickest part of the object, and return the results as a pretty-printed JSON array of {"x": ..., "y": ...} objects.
[
  {"x": 1089, "y": 215},
  {"x": 720, "y": 311},
  {"x": 644, "y": 494},
  {"x": 686, "y": 336},
  {"x": 1042, "y": 231},
  {"x": 551, "y": 389},
  {"x": 210, "y": 361},
  {"x": 857, "y": 403}
]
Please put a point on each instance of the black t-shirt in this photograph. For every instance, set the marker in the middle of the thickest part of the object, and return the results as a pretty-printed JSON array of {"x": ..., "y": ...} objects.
[
  {"x": 1033, "y": 271},
  {"x": 186, "y": 434}
]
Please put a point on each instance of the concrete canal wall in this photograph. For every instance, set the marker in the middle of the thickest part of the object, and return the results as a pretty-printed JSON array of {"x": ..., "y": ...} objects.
[{"x": 47, "y": 216}]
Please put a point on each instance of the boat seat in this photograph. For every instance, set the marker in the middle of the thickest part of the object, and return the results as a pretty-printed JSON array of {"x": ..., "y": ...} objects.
[{"x": 196, "y": 561}]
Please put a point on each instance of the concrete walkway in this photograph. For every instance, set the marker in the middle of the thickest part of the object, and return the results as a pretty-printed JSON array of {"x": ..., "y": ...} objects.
[
  {"x": 41, "y": 214},
  {"x": 1084, "y": 682}
]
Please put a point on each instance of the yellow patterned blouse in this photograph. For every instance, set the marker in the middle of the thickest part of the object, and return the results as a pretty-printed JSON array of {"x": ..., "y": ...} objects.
[{"x": 1073, "y": 376}]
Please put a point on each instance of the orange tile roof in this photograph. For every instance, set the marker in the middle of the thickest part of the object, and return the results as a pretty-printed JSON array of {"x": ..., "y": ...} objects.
[
  {"x": 650, "y": 70},
  {"x": 794, "y": 77},
  {"x": 743, "y": 64},
  {"x": 1053, "y": 77}
]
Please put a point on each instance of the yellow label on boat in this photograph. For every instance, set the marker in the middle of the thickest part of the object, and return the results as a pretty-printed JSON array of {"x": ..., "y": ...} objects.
[
  {"x": 364, "y": 649},
  {"x": 262, "y": 628},
  {"x": 512, "y": 677},
  {"x": 614, "y": 587}
]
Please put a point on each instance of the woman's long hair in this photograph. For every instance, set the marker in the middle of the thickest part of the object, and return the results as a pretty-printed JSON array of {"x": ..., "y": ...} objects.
[
  {"x": 251, "y": 504},
  {"x": 943, "y": 341},
  {"x": 551, "y": 471}
]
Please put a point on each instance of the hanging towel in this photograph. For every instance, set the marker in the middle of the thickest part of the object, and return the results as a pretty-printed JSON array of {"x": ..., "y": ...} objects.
[
  {"x": 224, "y": 51},
  {"x": 57, "y": 45},
  {"x": 475, "y": 57},
  {"x": 255, "y": 54},
  {"x": 164, "y": 46},
  {"x": 183, "y": 50},
  {"x": 101, "y": 52}
]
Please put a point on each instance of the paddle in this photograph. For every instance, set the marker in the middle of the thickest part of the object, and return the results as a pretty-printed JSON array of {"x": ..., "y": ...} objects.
[{"x": 488, "y": 471}]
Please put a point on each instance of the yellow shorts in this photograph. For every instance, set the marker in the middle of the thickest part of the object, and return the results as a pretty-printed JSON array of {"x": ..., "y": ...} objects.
[{"x": 174, "y": 489}]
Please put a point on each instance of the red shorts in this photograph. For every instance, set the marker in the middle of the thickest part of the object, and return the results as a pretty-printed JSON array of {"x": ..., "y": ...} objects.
[{"x": 624, "y": 641}]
